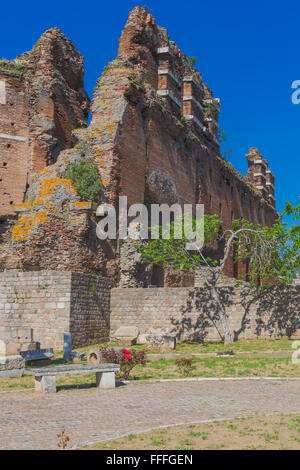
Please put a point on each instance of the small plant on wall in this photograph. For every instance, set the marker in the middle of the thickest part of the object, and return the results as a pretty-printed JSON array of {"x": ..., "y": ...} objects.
[
  {"x": 191, "y": 61},
  {"x": 86, "y": 178}
]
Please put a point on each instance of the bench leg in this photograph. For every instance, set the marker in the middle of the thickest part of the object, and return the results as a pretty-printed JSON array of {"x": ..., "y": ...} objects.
[
  {"x": 105, "y": 380},
  {"x": 45, "y": 384}
]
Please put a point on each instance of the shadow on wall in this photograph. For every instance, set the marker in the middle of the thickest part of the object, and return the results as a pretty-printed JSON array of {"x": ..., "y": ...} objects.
[{"x": 274, "y": 312}]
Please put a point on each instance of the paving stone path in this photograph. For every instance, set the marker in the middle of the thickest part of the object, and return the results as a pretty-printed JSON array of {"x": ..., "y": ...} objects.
[{"x": 31, "y": 420}]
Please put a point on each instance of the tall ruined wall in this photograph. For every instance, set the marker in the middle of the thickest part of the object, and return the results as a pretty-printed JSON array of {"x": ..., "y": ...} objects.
[
  {"x": 42, "y": 99},
  {"x": 163, "y": 146},
  {"x": 153, "y": 136}
]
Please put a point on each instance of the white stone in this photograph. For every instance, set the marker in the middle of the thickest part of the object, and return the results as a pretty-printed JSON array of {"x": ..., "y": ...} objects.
[
  {"x": 13, "y": 137},
  {"x": 2, "y": 92}
]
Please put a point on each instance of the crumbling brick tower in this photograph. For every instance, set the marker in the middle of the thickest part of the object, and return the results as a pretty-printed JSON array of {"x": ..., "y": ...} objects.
[
  {"x": 154, "y": 137},
  {"x": 42, "y": 99}
]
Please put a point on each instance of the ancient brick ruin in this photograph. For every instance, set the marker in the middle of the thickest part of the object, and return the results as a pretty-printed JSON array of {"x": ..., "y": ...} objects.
[
  {"x": 42, "y": 100},
  {"x": 154, "y": 138},
  {"x": 153, "y": 135}
]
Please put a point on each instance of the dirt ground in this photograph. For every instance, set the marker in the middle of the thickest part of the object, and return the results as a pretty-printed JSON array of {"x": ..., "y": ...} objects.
[{"x": 277, "y": 432}]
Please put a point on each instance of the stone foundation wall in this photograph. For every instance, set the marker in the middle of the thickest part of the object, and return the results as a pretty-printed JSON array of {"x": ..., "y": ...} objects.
[
  {"x": 40, "y": 306},
  {"x": 191, "y": 313}
]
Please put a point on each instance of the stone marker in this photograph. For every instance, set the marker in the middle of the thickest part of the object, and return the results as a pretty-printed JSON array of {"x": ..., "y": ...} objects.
[
  {"x": 67, "y": 346},
  {"x": 127, "y": 335}
]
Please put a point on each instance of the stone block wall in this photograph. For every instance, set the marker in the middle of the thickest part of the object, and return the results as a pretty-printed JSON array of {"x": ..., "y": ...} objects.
[
  {"x": 190, "y": 313},
  {"x": 90, "y": 309},
  {"x": 40, "y": 306}
]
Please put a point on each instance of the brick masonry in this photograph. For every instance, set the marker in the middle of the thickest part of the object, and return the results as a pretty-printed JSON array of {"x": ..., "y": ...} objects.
[
  {"x": 191, "y": 313},
  {"x": 42, "y": 99},
  {"x": 42, "y": 305},
  {"x": 153, "y": 135}
]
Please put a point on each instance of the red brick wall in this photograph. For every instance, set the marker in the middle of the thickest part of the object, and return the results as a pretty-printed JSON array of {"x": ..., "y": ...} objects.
[{"x": 14, "y": 154}]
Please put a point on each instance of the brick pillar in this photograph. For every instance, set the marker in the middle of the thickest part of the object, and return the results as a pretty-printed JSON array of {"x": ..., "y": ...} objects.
[
  {"x": 257, "y": 167},
  {"x": 169, "y": 82},
  {"x": 191, "y": 102}
]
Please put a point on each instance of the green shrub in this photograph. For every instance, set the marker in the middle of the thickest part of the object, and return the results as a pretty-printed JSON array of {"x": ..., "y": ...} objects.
[
  {"x": 86, "y": 178},
  {"x": 191, "y": 61}
]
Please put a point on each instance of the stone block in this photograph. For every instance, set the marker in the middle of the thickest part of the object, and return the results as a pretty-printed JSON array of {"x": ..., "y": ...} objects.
[
  {"x": 41, "y": 357},
  {"x": 127, "y": 335},
  {"x": 45, "y": 384},
  {"x": 161, "y": 341},
  {"x": 95, "y": 357},
  {"x": 142, "y": 339},
  {"x": 105, "y": 380},
  {"x": 12, "y": 366}
]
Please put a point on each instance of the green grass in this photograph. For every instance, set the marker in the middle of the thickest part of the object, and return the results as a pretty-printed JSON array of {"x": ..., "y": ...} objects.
[
  {"x": 167, "y": 369},
  {"x": 220, "y": 367},
  {"x": 259, "y": 345},
  {"x": 205, "y": 366}
]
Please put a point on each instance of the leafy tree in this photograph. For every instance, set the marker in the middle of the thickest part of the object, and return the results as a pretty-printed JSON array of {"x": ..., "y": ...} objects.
[
  {"x": 86, "y": 178},
  {"x": 272, "y": 253}
]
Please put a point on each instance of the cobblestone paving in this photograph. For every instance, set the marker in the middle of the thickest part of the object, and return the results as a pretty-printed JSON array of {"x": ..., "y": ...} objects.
[{"x": 31, "y": 420}]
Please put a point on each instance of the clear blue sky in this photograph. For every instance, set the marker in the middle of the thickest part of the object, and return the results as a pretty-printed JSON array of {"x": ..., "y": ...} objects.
[{"x": 247, "y": 53}]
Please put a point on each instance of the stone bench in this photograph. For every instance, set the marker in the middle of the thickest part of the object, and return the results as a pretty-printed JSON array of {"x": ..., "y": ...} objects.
[{"x": 45, "y": 377}]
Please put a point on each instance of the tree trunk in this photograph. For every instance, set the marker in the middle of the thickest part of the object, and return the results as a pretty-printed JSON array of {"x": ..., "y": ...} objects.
[{"x": 227, "y": 333}]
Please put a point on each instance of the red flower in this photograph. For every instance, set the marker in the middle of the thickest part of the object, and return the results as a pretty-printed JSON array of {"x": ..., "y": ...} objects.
[
  {"x": 127, "y": 357},
  {"x": 125, "y": 352}
]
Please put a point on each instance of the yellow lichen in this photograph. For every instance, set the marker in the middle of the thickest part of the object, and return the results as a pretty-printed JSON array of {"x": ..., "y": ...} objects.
[
  {"x": 50, "y": 185},
  {"x": 22, "y": 206},
  {"x": 82, "y": 204},
  {"x": 23, "y": 229},
  {"x": 97, "y": 151}
]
